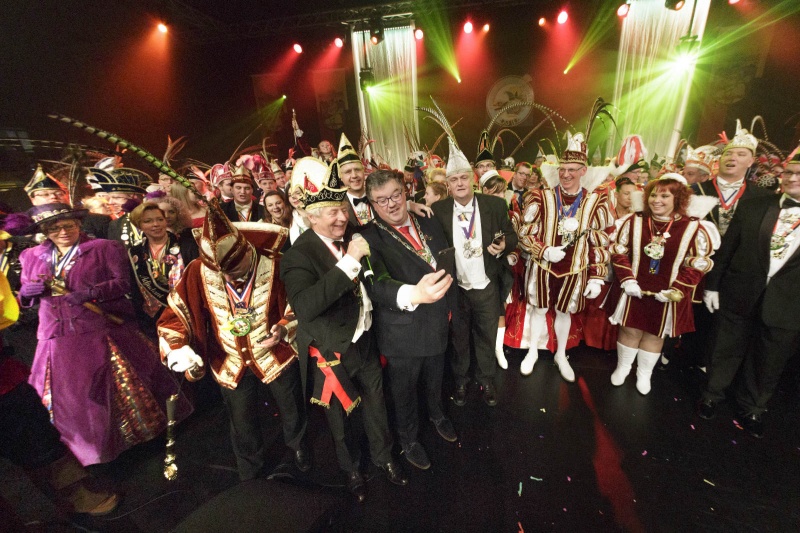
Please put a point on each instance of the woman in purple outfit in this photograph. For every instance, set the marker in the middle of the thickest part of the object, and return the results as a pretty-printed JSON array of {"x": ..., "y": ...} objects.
[{"x": 98, "y": 376}]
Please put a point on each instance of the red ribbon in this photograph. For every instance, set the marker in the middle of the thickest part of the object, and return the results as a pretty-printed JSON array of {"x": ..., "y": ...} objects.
[{"x": 331, "y": 385}]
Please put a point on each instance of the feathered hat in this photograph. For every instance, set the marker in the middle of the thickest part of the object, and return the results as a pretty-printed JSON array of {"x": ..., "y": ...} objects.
[
  {"x": 742, "y": 139},
  {"x": 318, "y": 184},
  {"x": 124, "y": 179},
  {"x": 700, "y": 158},
  {"x": 347, "y": 154},
  {"x": 632, "y": 155},
  {"x": 457, "y": 162},
  {"x": 41, "y": 181},
  {"x": 577, "y": 145},
  {"x": 219, "y": 173}
]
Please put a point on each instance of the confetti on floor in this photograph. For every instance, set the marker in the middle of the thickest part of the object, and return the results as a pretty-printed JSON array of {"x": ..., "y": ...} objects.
[
  {"x": 543, "y": 410},
  {"x": 692, "y": 426},
  {"x": 707, "y": 481},
  {"x": 536, "y": 478},
  {"x": 644, "y": 453},
  {"x": 519, "y": 492},
  {"x": 569, "y": 478}
]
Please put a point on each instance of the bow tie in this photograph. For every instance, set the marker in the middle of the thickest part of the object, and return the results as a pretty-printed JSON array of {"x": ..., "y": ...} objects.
[
  {"x": 362, "y": 200},
  {"x": 788, "y": 202},
  {"x": 725, "y": 186},
  {"x": 466, "y": 210},
  {"x": 339, "y": 245}
]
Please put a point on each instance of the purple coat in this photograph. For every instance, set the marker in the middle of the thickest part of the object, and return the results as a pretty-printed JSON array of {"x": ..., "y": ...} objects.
[{"x": 106, "y": 386}]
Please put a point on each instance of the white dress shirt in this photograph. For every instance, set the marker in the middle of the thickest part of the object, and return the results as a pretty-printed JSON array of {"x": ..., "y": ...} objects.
[
  {"x": 776, "y": 264},
  {"x": 471, "y": 272}
]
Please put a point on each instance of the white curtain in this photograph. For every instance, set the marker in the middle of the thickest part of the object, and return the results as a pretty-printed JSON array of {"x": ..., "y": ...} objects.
[
  {"x": 392, "y": 101},
  {"x": 651, "y": 89}
]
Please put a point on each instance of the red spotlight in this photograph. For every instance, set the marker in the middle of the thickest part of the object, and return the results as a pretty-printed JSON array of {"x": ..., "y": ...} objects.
[
  {"x": 162, "y": 27},
  {"x": 562, "y": 17},
  {"x": 485, "y": 27},
  {"x": 542, "y": 21},
  {"x": 338, "y": 42},
  {"x": 468, "y": 27},
  {"x": 418, "y": 34},
  {"x": 298, "y": 48},
  {"x": 622, "y": 11}
]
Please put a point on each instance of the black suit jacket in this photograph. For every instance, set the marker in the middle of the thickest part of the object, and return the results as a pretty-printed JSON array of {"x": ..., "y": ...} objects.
[
  {"x": 95, "y": 225},
  {"x": 424, "y": 331},
  {"x": 707, "y": 188},
  {"x": 257, "y": 211},
  {"x": 322, "y": 297},
  {"x": 494, "y": 218},
  {"x": 741, "y": 266}
]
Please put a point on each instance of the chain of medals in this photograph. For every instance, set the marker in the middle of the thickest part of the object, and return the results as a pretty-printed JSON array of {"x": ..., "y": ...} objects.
[
  {"x": 424, "y": 253},
  {"x": 61, "y": 265},
  {"x": 240, "y": 321},
  {"x": 364, "y": 215},
  {"x": 782, "y": 234},
  {"x": 470, "y": 249},
  {"x": 131, "y": 235},
  {"x": 727, "y": 206},
  {"x": 658, "y": 239},
  {"x": 155, "y": 262},
  {"x": 567, "y": 220}
]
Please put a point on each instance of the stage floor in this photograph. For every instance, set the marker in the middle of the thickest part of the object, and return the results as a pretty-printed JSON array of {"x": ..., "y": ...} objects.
[{"x": 552, "y": 456}]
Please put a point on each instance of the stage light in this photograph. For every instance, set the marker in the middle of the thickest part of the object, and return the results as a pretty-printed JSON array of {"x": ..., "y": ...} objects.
[
  {"x": 485, "y": 27},
  {"x": 674, "y": 5},
  {"x": 468, "y": 27},
  {"x": 562, "y": 17},
  {"x": 298, "y": 48},
  {"x": 284, "y": 97},
  {"x": 376, "y": 31},
  {"x": 339, "y": 42},
  {"x": 366, "y": 79},
  {"x": 622, "y": 11},
  {"x": 418, "y": 35},
  {"x": 733, "y": 2},
  {"x": 542, "y": 21},
  {"x": 162, "y": 27}
]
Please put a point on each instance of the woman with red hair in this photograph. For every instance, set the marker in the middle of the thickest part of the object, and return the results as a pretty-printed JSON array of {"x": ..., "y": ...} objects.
[{"x": 659, "y": 257}]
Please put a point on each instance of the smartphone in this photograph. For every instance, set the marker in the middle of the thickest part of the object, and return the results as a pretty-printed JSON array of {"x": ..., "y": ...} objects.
[{"x": 446, "y": 260}]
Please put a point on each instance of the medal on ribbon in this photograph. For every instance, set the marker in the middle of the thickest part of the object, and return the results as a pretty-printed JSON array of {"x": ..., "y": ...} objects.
[
  {"x": 470, "y": 250},
  {"x": 568, "y": 222},
  {"x": 240, "y": 321}
]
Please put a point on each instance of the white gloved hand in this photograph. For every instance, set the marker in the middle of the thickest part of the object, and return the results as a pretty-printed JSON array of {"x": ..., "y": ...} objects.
[
  {"x": 632, "y": 289},
  {"x": 593, "y": 288},
  {"x": 711, "y": 299},
  {"x": 182, "y": 359},
  {"x": 662, "y": 296},
  {"x": 554, "y": 254}
]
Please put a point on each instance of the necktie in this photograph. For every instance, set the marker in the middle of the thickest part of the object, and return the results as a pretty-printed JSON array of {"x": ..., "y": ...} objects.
[
  {"x": 362, "y": 200},
  {"x": 788, "y": 202},
  {"x": 406, "y": 231}
]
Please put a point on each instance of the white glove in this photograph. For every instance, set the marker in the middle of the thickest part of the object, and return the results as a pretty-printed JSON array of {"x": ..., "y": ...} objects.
[
  {"x": 632, "y": 289},
  {"x": 554, "y": 254},
  {"x": 512, "y": 259},
  {"x": 662, "y": 296},
  {"x": 182, "y": 359},
  {"x": 593, "y": 288},
  {"x": 711, "y": 299}
]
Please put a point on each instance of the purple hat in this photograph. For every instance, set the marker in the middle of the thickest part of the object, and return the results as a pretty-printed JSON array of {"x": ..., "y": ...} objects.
[{"x": 41, "y": 214}]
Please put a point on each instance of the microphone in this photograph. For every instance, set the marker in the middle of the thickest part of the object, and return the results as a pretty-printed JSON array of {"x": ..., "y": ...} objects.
[{"x": 368, "y": 273}]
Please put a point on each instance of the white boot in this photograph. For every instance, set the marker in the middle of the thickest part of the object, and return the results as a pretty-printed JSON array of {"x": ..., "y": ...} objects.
[
  {"x": 498, "y": 348},
  {"x": 625, "y": 357},
  {"x": 561, "y": 327},
  {"x": 538, "y": 321},
  {"x": 645, "y": 362},
  {"x": 526, "y": 367}
]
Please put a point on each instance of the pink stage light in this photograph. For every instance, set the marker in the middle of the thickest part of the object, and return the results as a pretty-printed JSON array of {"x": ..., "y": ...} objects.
[
  {"x": 485, "y": 27},
  {"x": 338, "y": 42},
  {"x": 542, "y": 21},
  {"x": 298, "y": 48},
  {"x": 162, "y": 27},
  {"x": 468, "y": 27},
  {"x": 418, "y": 35},
  {"x": 562, "y": 17},
  {"x": 622, "y": 11}
]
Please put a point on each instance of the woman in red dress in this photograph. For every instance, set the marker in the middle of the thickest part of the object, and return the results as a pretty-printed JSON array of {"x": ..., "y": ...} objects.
[{"x": 659, "y": 257}]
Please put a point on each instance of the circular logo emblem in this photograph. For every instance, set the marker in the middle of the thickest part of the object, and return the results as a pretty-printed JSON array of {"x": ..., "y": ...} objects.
[{"x": 509, "y": 90}]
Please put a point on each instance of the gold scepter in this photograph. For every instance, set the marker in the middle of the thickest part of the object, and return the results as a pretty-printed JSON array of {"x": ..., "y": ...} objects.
[
  {"x": 170, "y": 466},
  {"x": 674, "y": 295},
  {"x": 58, "y": 289}
]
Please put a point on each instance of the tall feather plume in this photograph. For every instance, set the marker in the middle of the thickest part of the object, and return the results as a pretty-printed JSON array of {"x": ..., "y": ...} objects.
[
  {"x": 548, "y": 113},
  {"x": 505, "y": 109},
  {"x": 119, "y": 142},
  {"x": 678, "y": 149},
  {"x": 441, "y": 137},
  {"x": 497, "y": 138},
  {"x": 756, "y": 120},
  {"x": 600, "y": 109},
  {"x": 438, "y": 117},
  {"x": 411, "y": 141},
  {"x": 528, "y": 136},
  {"x": 173, "y": 148}
]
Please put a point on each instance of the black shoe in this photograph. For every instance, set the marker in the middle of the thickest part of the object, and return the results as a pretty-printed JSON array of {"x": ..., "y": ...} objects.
[
  {"x": 460, "y": 397},
  {"x": 754, "y": 425},
  {"x": 394, "y": 473},
  {"x": 355, "y": 484},
  {"x": 706, "y": 409},
  {"x": 489, "y": 394},
  {"x": 302, "y": 459},
  {"x": 415, "y": 454},
  {"x": 445, "y": 429}
]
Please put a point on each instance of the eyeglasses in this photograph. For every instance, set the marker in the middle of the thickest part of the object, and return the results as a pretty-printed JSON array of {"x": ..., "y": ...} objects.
[
  {"x": 395, "y": 198},
  {"x": 49, "y": 194},
  {"x": 788, "y": 174},
  {"x": 67, "y": 226},
  {"x": 572, "y": 171}
]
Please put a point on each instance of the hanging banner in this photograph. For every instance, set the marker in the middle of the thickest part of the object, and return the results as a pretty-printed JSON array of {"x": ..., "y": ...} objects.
[{"x": 330, "y": 90}]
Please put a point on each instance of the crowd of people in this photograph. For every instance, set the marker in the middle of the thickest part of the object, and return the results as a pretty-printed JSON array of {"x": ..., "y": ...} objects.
[{"x": 328, "y": 276}]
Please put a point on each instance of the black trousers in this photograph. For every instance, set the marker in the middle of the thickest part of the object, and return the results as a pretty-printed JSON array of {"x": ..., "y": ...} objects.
[
  {"x": 243, "y": 408},
  {"x": 404, "y": 373},
  {"x": 478, "y": 314},
  {"x": 27, "y": 438},
  {"x": 362, "y": 363},
  {"x": 762, "y": 353}
]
